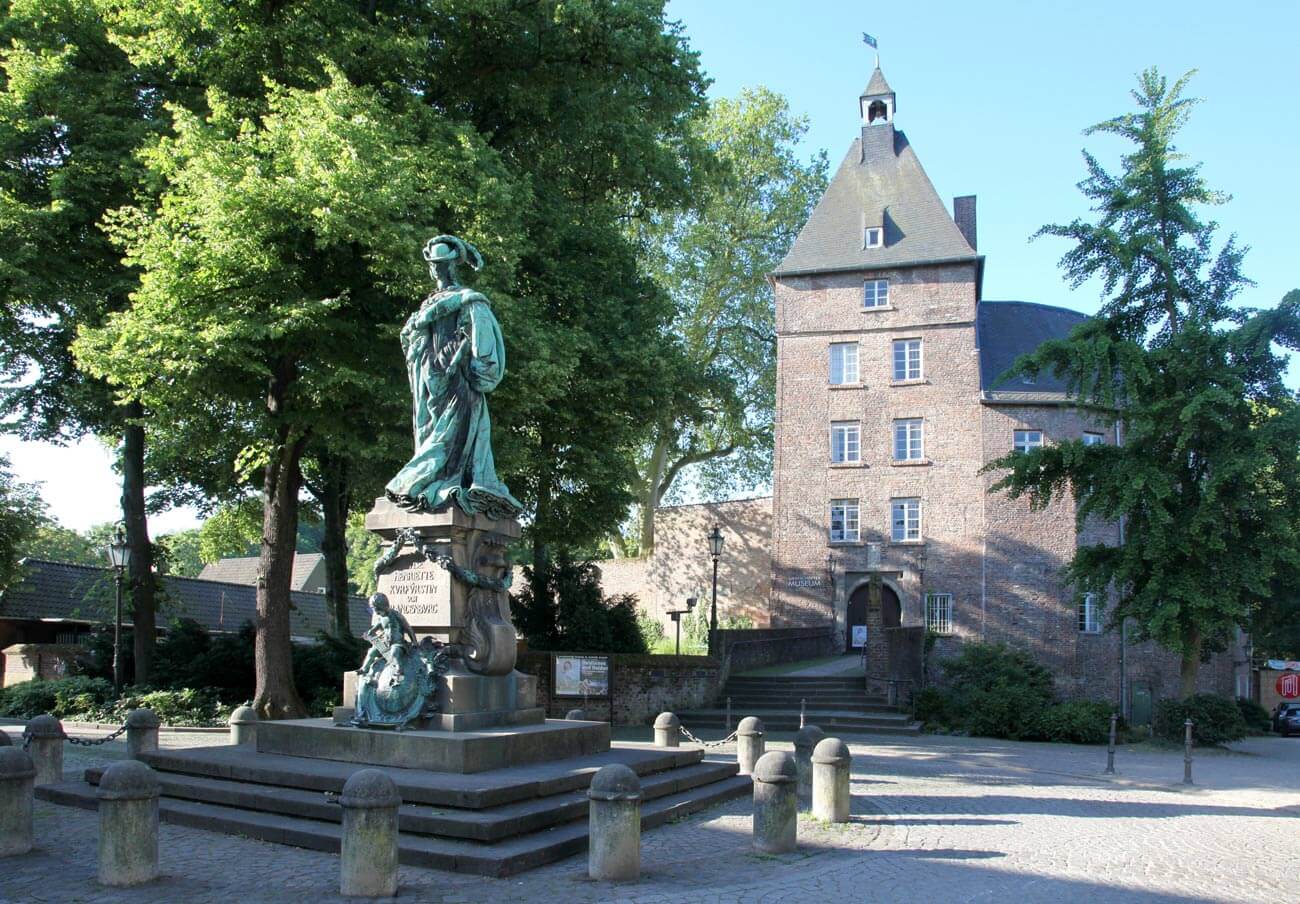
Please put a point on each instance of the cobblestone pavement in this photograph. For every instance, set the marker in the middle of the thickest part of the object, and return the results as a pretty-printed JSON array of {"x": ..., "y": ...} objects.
[{"x": 934, "y": 818}]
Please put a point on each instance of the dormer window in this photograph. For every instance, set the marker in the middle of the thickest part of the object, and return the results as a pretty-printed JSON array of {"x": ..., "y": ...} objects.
[{"x": 873, "y": 237}]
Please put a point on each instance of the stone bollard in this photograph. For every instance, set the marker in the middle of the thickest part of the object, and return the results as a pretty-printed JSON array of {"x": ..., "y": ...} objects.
[
  {"x": 749, "y": 743},
  {"x": 368, "y": 866},
  {"x": 614, "y": 824},
  {"x": 805, "y": 739},
  {"x": 776, "y": 811},
  {"x": 243, "y": 727},
  {"x": 46, "y": 748},
  {"x": 668, "y": 730},
  {"x": 576, "y": 715},
  {"x": 128, "y": 823},
  {"x": 141, "y": 732},
  {"x": 17, "y": 779},
  {"x": 830, "y": 795}
]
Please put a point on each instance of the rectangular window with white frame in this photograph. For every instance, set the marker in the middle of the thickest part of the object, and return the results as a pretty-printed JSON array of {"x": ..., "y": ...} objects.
[
  {"x": 938, "y": 613},
  {"x": 875, "y": 293},
  {"x": 907, "y": 359},
  {"x": 844, "y": 363},
  {"x": 1089, "y": 614},
  {"x": 909, "y": 441},
  {"x": 905, "y": 520},
  {"x": 846, "y": 442},
  {"x": 873, "y": 237},
  {"x": 1093, "y": 439},
  {"x": 1025, "y": 440},
  {"x": 844, "y": 520}
]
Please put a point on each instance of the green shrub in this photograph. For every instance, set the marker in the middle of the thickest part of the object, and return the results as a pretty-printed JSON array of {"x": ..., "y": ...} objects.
[
  {"x": 1255, "y": 716},
  {"x": 1075, "y": 722},
  {"x": 996, "y": 691},
  {"x": 62, "y": 698},
  {"x": 186, "y": 706},
  {"x": 1216, "y": 720},
  {"x": 930, "y": 706}
]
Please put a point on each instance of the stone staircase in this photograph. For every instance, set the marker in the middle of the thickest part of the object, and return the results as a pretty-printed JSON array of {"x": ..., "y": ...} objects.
[
  {"x": 834, "y": 704},
  {"x": 497, "y": 823}
]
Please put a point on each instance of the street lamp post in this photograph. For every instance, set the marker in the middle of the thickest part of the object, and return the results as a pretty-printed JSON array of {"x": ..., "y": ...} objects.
[
  {"x": 676, "y": 616},
  {"x": 119, "y": 555},
  {"x": 715, "y": 550}
]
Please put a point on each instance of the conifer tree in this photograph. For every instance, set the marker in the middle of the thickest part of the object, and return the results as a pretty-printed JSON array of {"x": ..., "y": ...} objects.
[{"x": 1205, "y": 481}]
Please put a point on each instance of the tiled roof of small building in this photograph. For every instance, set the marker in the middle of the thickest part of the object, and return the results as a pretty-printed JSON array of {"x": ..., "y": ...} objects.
[
  {"x": 890, "y": 189},
  {"x": 243, "y": 570},
  {"x": 1009, "y": 329},
  {"x": 84, "y": 593}
]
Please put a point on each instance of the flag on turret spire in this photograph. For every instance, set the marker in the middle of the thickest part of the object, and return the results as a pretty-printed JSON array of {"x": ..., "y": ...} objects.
[{"x": 869, "y": 41}]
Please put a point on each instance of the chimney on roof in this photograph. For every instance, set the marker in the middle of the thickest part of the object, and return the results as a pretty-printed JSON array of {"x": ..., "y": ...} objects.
[{"x": 963, "y": 213}]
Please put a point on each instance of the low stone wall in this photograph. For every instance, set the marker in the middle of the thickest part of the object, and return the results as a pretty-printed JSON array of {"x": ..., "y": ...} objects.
[
  {"x": 641, "y": 687},
  {"x": 743, "y": 650}
]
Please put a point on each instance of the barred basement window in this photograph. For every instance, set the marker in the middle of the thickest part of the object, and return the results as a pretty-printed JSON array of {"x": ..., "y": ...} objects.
[
  {"x": 875, "y": 293},
  {"x": 938, "y": 613},
  {"x": 844, "y": 520},
  {"x": 1089, "y": 614}
]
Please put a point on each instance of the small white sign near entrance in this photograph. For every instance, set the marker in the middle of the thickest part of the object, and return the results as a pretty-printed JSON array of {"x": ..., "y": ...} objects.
[{"x": 859, "y": 636}]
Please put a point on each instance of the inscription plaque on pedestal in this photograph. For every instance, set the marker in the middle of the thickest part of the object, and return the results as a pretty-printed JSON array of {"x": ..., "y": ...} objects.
[{"x": 421, "y": 591}]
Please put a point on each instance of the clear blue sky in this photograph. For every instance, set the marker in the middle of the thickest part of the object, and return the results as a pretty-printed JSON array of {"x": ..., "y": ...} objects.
[{"x": 994, "y": 96}]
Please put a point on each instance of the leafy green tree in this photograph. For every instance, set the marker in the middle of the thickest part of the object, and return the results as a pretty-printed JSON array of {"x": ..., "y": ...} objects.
[
  {"x": 305, "y": 221},
  {"x": 181, "y": 551},
  {"x": 751, "y": 198},
  {"x": 1206, "y": 481},
  {"x": 74, "y": 112},
  {"x": 20, "y": 510}
]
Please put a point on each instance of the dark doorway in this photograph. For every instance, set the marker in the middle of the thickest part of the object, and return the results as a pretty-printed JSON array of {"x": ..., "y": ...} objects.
[{"x": 861, "y": 614}]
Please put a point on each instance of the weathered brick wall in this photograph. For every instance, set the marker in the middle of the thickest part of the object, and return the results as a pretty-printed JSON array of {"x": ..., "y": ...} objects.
[
  {"x": 26, "y": 661},
  {"x": 936, "y": 305},
  {"x": 681, "y": 565},
  {"x": 641, "y": 687},
  {"x": 742, "y": 650}
]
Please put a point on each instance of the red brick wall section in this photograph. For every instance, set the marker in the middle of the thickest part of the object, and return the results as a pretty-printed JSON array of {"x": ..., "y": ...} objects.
[{"x": 642, "y": 687}]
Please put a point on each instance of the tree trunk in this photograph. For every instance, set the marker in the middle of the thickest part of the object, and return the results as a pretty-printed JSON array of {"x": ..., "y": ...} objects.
[
  {"x": 650, "y": 496},
  {"x": 136, "y": 524},
  {"x": 1191, "y": 663},
  {"x": 276, "y": 697},
  {"x": 335, "y": 502}
]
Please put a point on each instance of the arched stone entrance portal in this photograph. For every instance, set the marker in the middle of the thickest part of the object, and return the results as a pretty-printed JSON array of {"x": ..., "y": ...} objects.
[{"x": 862, "y": 614}]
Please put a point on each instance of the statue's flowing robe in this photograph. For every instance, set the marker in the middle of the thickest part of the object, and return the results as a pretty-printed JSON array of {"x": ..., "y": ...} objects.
[{"x": 454, "y": 356}]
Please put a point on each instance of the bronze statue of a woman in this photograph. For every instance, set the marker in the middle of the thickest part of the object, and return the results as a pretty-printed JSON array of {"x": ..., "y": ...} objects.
[{"x": 454, "y": 356}]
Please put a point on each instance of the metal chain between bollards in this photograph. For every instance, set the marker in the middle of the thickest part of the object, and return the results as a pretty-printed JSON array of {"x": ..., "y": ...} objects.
[
  {"x": 89, "y": 742},
  {"x": 694, "y": 740}
]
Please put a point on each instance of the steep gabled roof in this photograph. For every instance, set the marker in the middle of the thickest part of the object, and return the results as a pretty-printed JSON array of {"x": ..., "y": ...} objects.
[
  {"x": 1009, "y": 329},
  {"x": 888, "y": 188},
  {"x": 60, "y": 591}
]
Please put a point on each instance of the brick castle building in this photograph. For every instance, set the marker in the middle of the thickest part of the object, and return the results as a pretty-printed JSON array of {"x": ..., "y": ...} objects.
[{"x": 889, "y": 407}]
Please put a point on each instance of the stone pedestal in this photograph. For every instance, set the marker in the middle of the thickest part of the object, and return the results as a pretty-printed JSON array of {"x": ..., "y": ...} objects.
[
  {"x": 438, "y": 603},
  {"x": 468, "y": 702}
]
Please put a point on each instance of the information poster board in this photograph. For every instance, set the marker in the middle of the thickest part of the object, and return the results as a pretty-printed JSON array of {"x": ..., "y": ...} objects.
[
  {"x": 859, "y": 636},
  {"x": 579, "y": 676}
]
